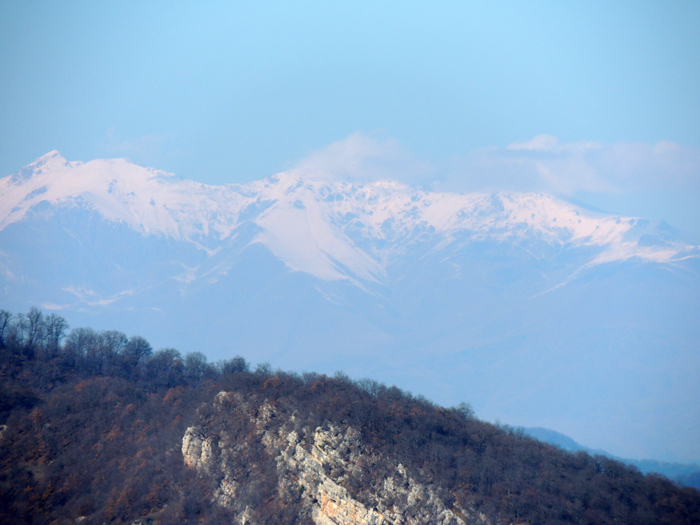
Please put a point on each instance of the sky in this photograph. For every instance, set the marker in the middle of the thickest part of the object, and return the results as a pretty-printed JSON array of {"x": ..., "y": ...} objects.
[{"x": 593, "y": 101}]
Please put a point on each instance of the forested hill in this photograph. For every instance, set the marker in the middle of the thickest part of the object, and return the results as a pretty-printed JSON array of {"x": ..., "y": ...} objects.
[{"x": 98, "y": 428}]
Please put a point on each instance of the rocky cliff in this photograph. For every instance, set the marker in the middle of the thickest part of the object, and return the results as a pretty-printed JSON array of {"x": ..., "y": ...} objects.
[{"x": 326, "y": 470}]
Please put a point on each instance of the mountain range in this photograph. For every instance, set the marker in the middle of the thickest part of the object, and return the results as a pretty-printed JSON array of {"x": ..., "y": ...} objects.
[
  {"x": 684, "y": 474},
  {"x": 534, "y": 309}
]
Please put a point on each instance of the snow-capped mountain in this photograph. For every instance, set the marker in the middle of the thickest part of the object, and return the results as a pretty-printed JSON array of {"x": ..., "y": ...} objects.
[
  {"x": 534, "y": 309},
  {"x": 329, "y": 229}
]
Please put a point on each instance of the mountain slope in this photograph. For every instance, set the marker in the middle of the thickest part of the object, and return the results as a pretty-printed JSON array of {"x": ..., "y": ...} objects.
[
  {"x": 539, "y": 312},
  {"x": 683, "y": 474},
  {"x": 321, "y": 226}
]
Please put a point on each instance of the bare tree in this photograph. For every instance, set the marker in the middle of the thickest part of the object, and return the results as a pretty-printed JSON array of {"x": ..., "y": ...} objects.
[
  {"x": 136, "y": 351},
  {"x": 55, "y": 331},
  {"x": 195, "y": 367},
  {"x": 35, "y": 327},
  {"x": 5, "y": 319}
]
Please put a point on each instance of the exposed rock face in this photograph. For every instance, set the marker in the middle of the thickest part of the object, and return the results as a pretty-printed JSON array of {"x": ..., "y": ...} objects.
[
  {"x": 327, "y": 471},
  {"x": 196, "y": 449}
]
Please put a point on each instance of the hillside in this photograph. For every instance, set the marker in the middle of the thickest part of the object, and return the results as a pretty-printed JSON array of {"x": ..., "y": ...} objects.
[{"x": 98, "y": 427}]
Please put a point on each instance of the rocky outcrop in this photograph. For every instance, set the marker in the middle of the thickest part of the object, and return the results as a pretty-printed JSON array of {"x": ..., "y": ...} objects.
[
  {"x": 327, "y": 470},
  {"x": 197, "y": 449}
]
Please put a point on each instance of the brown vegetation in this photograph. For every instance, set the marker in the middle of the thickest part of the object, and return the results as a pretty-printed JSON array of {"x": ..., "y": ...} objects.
[{"x": 94, "y": 425}]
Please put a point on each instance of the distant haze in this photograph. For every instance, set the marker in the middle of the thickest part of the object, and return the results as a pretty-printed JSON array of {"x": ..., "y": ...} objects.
[
  {"x": 494, "y": 203},
  {"x": 537, "y": 311}
]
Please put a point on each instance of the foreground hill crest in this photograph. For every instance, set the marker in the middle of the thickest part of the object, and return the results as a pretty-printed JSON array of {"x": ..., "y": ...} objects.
[{"x": 97, "y": 428}]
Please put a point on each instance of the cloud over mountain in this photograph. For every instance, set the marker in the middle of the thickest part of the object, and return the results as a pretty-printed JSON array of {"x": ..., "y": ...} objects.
[
  {"x": 364, "y": 158},
  {"x": 660, "y": 181},
  {"x": 546, "y": 164}
]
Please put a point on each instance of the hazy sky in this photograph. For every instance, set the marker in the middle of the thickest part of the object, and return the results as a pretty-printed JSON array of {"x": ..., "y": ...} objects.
[{"x": 593, "y": 100}]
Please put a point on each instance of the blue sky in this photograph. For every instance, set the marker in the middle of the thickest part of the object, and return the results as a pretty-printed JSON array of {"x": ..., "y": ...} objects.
[{"x": 459, "y": 92}]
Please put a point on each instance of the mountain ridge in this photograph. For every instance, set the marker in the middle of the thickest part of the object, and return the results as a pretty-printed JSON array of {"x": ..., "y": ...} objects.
[
  {"x": 451, "y": 296},
  {"x": 332, "y": 230},
  {"x": 683, "y": 473}
]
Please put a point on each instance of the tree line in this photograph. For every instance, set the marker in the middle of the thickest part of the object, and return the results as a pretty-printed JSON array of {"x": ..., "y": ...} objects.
[{"x": 45, "y": 340}]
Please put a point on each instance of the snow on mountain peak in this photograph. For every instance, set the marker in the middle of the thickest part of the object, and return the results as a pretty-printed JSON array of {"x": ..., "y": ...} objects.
[
  {"x": 322, "y": 226},
  {"x": 48, "y": 162},
  {"x": 147, "y": 200}
]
